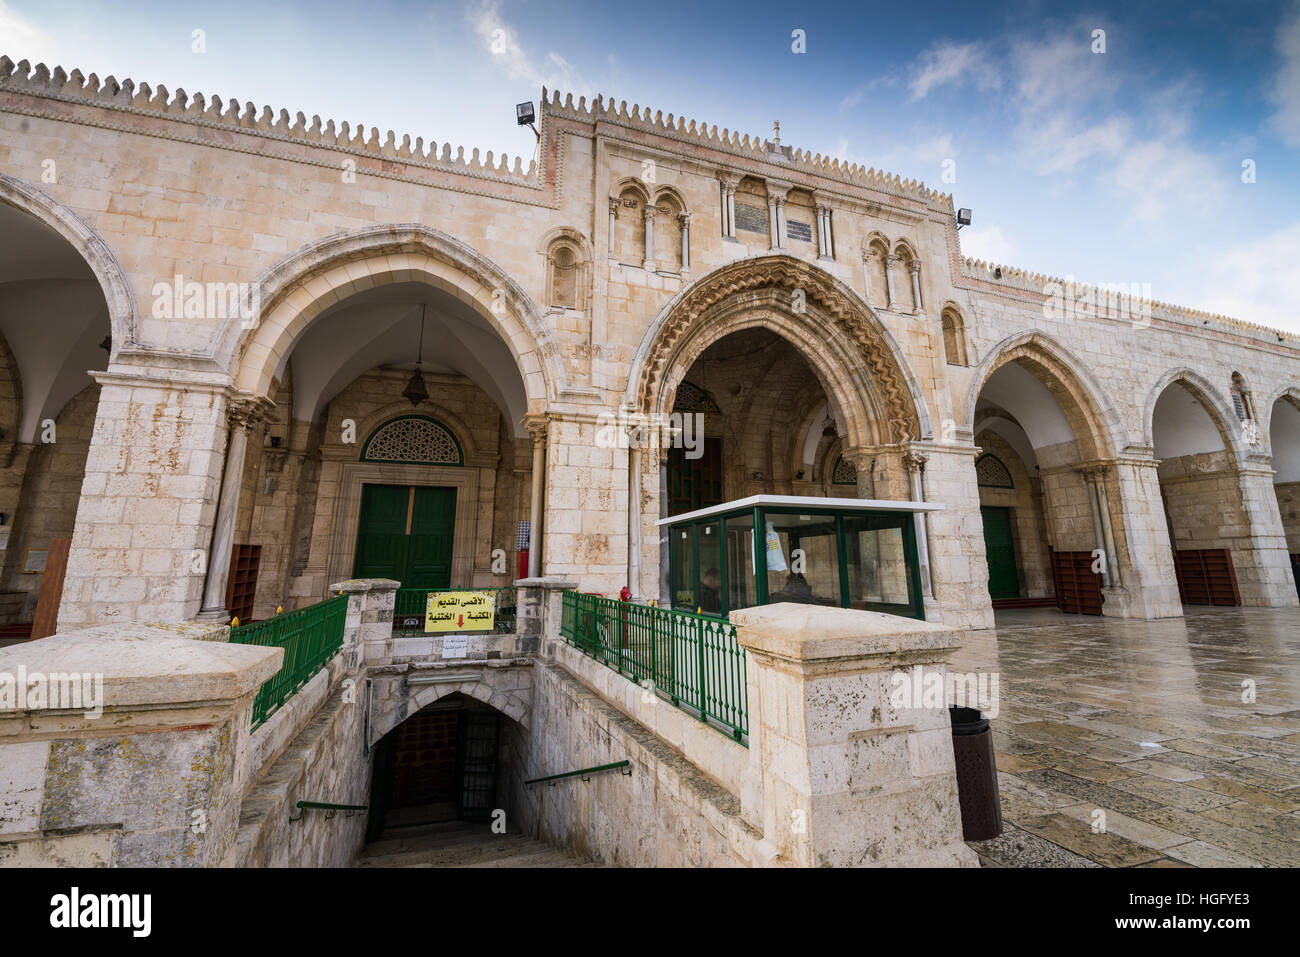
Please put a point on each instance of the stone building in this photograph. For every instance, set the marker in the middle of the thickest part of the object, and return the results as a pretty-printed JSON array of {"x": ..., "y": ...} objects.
[{"x": 212, "y": 317}]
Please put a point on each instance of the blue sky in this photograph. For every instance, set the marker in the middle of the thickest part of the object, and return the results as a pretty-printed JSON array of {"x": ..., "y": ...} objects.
[{"x": 1115, "y": 166}]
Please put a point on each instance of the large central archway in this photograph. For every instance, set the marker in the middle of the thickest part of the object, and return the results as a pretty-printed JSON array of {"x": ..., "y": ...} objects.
[{"x": 873, "y": 394}]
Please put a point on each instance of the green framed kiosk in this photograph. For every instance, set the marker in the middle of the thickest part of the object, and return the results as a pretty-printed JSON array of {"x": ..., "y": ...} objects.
[{"x": 842, "y": 552}]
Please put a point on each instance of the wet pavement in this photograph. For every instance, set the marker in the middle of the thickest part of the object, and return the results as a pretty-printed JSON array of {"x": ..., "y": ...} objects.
[{"x": 1172, "y": 743}]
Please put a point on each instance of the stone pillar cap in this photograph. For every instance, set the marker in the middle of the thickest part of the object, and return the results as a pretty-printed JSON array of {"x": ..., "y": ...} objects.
[
  {"x": 816, "y": 633},
  {"x": 148, "y": 669},
  {"x": 549, "y": 581},
  {"x": 362, "y": 585}
]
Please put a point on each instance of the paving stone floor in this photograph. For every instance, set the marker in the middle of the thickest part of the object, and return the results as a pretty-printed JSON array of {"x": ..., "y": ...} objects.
[{"x": 1145, "y": 723}]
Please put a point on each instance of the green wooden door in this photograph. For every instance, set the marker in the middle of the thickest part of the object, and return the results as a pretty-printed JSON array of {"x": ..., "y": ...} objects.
[
  {"x": 406, "y": 533},
  {"x": 381, "y": 539},
  {"x": 433, "y": 521},
  {"x": 1001, "y": 553}
]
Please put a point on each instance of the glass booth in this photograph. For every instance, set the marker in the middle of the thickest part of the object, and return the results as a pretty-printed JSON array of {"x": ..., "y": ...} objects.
[{"x": 843, "y": 552}]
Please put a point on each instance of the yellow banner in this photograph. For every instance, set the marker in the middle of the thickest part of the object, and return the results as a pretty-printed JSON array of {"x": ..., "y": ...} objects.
[{"x": 460, "y": 611}]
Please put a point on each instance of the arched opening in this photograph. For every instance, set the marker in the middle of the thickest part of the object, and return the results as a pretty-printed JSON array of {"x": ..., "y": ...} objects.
[
  {"x": 374, "y": 344},
  {"x": 1200, "y": 490},
  {"x": 795, "y": 367},
  {"x": 1284, "y": 442},
  {"x": 1043, "y": 499},
  {"x": 452, "y": 766},
  {"x": 54, "y": 326}
]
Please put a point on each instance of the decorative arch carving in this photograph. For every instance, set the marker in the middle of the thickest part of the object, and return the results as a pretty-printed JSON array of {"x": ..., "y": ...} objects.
[{"x": 840, "y": 314}]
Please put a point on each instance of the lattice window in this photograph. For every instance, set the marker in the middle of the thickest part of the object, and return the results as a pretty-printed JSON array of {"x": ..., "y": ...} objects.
[
  {"x": 844, "y": 473},
  {"x": 691, "y": 398},
  {"x": 991, "y": 473},
  {"x": 412, "y": 439}
]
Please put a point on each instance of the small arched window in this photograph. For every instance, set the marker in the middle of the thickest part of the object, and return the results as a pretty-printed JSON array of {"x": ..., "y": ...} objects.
[
  {"x": 1241, "y": 400},
  {"x": 990, "y": 472},
  {"x": 954, "y": 338}
]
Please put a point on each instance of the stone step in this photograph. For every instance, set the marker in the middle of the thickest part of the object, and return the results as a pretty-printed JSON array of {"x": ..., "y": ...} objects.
[{"x": 460, "y": 844}]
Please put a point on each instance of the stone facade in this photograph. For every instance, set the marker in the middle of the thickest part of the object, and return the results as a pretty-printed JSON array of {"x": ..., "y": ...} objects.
[{"x": 638, "y": 253}]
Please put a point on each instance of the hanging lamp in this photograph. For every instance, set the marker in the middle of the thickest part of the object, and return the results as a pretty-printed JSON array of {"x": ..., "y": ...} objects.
[{"x": 416, "y": 390}]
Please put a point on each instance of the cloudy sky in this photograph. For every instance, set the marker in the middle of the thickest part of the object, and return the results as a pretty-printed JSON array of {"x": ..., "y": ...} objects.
[{"x": 1122, "y": 165}]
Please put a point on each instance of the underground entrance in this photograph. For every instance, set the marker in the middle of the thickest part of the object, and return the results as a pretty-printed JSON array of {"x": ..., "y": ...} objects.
[{"x": 448, "y": 762}]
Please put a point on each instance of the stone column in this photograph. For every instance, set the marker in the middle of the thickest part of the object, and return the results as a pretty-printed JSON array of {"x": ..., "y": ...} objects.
[
  {"x": 1090, "y": 478},
  {"x": 649, "y": 262},
  {"x": 148, "y": 499},
  {"x": 773, "y": 237},
  {"x": 244, "y": 415},
  {"x": 890, "y": 263},
  {"x": 1151, "y": 587},
  {"x": 635, "y": 442},
  {"x": 685, "y": 220},
  {"x": 368, "y": 628},
  {"x": 915, "y": 464},
  {"x": 1269, "y": 582},
  {"x": 866, "y": 277},
  {"x": 851, "y": 772},
  {"x": 959, "y": 572},
  {"x": 537, "y": 428},
  {"x": 539, "y": 610},
  {"x": 613, "y": 236},
  {"x": 914, "y": 268}
]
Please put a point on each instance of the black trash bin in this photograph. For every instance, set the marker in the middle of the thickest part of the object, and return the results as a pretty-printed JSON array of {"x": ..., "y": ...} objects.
[{"x": 977, "y": 775}]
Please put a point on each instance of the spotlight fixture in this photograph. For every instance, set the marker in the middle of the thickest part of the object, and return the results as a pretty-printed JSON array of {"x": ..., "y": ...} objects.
[
  {"x": 963, "y": 218},
  {"x": 524, "y": 116},
  {"x": 416, "y": 390}
]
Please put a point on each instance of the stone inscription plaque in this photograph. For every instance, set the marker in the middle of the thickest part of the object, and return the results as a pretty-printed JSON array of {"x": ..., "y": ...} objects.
[
  {"x": 797, "y": 230},
  {"x": 752, "y": 219}
]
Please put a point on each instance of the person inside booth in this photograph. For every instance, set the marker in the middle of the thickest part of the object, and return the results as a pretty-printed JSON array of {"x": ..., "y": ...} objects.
[{"x": 710, "y": 597}]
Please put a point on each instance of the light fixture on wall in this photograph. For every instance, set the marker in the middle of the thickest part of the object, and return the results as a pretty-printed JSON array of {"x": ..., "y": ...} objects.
[{"x": 416, "y": 390}]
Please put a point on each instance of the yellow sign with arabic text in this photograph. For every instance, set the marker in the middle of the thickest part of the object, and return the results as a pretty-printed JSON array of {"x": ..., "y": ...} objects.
[{"x": 459, "y": 611}]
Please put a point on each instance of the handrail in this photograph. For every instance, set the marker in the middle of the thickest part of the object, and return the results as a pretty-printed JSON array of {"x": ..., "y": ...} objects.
[
  {"x": 585, "y": 771},
  {"x": 305, "y": 806}
]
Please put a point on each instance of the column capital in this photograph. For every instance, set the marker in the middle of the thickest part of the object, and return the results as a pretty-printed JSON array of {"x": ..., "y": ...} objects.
[
  {"x": 729, "y": 180},
  {"x": 778, "y": 190},
  {"x": 650, "y": 210},
  {"x": 538, "y": 425},
  {"x": 914, "y": 461},
  {"x": 614, "y": 204},
  {"x": 914, "y": 267},
  {"x": 684, "y": 218},
  {"x": 859, "y": 458},
  {"x": 248, "y": 411}
]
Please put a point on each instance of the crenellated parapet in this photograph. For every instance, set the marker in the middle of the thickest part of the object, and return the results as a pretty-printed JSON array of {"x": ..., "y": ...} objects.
[
  {"x": 75, "y": 87},
  {"x": 741, "y": 145},
  {"x": 1138, "y": 310}
]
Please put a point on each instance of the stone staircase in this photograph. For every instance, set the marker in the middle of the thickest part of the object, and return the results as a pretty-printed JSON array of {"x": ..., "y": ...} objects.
[{"x": 462, "y": 844}]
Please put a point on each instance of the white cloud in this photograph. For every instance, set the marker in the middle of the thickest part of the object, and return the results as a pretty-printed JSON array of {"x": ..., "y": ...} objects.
[
  {"x": 988, "y": 243},
  {"x": 1286, "y": 85},
  {"x": 1256, "y": 281},
  {"x": 21, "y": 39},
  {"x": 501, "y": 41},
  {"x": 948, "y": 62}
]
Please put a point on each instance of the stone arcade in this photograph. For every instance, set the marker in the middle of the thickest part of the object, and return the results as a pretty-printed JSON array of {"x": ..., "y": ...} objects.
[{"x": 169, "y": 463}]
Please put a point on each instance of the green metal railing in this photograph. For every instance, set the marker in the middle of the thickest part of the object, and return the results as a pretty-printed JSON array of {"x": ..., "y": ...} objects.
[
  {"x": 329, "y": 809},
  {"x": 624, "y": 767},
  {"x": 310, "y": 637},
  {"x": 692, "y": 660},
  {"x": 410, "y": 604}
]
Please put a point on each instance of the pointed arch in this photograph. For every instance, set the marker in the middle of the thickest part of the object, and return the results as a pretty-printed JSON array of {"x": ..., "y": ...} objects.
[
  {"x": 92, "y": 247},
  {"x": 1097, "y": 425},
  {"x": 296, "y": 289},
  {"x": 857, "y": 359},
  {"x": 1220, "y": 412}
]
